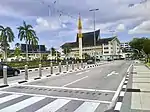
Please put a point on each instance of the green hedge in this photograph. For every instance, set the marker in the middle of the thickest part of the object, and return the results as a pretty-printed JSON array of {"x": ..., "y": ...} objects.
[
  {"x": 33, "y": 64},
  {"x": 148, "y": 64}
]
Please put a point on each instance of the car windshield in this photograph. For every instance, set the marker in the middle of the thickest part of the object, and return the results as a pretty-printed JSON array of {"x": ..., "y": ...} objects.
[{"x": 75, "y": 55}]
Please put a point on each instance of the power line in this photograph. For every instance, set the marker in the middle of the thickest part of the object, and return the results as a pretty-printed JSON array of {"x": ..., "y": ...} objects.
[
  {"x": 61, "y": 12},
  {"x": 139, "y": 3}
]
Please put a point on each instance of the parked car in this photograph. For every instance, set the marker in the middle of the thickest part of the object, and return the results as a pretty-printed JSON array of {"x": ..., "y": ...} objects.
[
  {"x": 109, "y": 59},
  {"x": 90, "y": 62},
  {"x": 10, "y": 71}
]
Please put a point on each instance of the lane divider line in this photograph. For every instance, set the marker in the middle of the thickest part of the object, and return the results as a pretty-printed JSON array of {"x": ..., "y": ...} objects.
[{"x": 75, "y": 81}]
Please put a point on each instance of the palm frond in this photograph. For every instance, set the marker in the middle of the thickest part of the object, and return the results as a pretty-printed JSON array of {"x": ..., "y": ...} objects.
[
  {"x": 29, "y": 26},
  {"x": 10, "y": 34},
  {"x": 1, "y": 28},
  {"x": 21, "y": 28},
  {"x": 24, "y": 24}
]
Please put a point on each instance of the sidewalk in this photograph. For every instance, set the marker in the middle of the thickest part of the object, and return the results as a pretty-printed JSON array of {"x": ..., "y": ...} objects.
[{"x": 137, "y": 97}]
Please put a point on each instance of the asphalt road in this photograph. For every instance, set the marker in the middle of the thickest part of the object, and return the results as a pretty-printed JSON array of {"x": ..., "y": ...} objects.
[{"x": 89, "y": 90}]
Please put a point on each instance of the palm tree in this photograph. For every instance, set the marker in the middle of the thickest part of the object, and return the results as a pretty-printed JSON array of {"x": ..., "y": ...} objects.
[
  {"x": 17, "y": 45},
  {"x": 6, "y": 37},
  {"x": 26, "y": 33},
  {"x": 17, "y": 51},
  {"x": 34, "y": 42}
]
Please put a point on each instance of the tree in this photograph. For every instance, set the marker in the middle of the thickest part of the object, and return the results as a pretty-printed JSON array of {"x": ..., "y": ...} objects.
[
  {"x": 6, "y": 37},
  {"x": 27, "y": 33},
  {"x": 53, "y": 51},
  {"x": 34, "y": 42},
  {"x": 17, "y": 51},
  {"x": 138, "y": 43},
  {"x": 86, "y": 56},
  {"x": 44, "y": 57},
  {"x": 66, "y": 50},
  {"x": 141, "y": 45},
  {"x": 146, "y": 49}
]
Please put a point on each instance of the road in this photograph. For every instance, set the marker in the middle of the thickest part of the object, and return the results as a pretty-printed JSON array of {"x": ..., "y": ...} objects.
[{"x": 88, "y": 90}]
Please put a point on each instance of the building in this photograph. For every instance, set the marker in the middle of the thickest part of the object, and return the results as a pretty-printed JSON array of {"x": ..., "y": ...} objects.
[
  {"x": 126, "y": 47},
  {"x": 105, "y": 47},
  {"x": 127, "y": 51},
  {"x": 34, "y": 52}
]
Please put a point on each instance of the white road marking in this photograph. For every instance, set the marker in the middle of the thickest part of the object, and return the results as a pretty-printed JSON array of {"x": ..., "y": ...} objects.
[
  {"x": 124, "y": 86},
  {"x": 87, "y": 107},
  {"x": 1, "y": 93},
  {"x": 75, "y": 81},
  {"x": 53, "y": 106},
  {"x": 129, "y": 68},
  {"x": 143, "y": 72},
  {"x": 122, "y": 93},
  {"x": 69, "y": 98},
  {"x": 7, "y": 98},
  {"x": 118, "y": 90},
  {"x": 79, "y": 73},
  {"x": 117, "y": 93},
  {"x": 81, "y": 89},
  {"x": 22, "y": 104},
  {"x": 112, "y": 73},
  {"x": 118, "y": 106},
  {"x": 126, "y": 82}
]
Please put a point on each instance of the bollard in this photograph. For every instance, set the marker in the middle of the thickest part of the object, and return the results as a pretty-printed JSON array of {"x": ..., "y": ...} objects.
[
  {"x": 51, "y": 68},
  {"x": 77, "y": 64},
  {"x": 40, "y": 70},
  {"x": 59, "y": 67},
  {"x": 66, "y": 65},
  {"x": 81, "y": 63},
  {"x": 26, "y": 72},
  {"x": 5, "y": 75},
  {"x": 72, "y": 65}
]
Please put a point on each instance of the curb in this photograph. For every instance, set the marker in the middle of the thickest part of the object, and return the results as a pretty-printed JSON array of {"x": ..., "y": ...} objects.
[
  {"x": 44, "y": 68},
  {"x": 119, "y": 100},
  {"x": 147, "y": 66},
  {"x": 118, "y": 105}
]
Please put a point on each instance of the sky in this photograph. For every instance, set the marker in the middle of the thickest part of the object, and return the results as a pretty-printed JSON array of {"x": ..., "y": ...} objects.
[{"x": 55, "y": 21}]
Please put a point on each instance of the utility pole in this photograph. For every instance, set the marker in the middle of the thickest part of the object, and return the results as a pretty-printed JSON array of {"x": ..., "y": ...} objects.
[{"x": 94, "y": 10}]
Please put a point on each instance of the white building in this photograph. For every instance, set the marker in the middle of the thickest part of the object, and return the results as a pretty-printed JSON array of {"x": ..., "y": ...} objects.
[
  {"x": 105, "y": 47},
  {"x": 126, "y": 46}
]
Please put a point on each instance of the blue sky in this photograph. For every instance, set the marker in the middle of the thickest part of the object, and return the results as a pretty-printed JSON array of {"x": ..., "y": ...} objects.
[{"x": 59, "y": 24}]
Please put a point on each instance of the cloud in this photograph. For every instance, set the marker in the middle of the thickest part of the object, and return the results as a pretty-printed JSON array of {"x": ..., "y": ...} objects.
[
  {"x": 143, "y": 28},
  {"x": 63, "y": 16},
  {"x": 46, "y": 25},
  {"x": 120, "y": 28}
]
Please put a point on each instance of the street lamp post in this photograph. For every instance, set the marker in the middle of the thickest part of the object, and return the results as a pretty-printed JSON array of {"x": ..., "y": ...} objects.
[{"x": 94, "y": 10}]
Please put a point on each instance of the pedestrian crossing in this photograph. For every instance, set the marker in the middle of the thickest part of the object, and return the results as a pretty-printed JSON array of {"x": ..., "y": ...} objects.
[{"x": 14, "y": 102}]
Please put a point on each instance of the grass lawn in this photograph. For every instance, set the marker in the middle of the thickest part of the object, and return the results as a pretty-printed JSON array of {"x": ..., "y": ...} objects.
[{"x": 148, "y": 64}]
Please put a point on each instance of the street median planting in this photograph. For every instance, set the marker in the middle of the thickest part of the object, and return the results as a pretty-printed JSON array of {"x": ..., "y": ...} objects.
[
  {"x": 31, "y": 64},
  {"x": 148, "y": 64}
]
